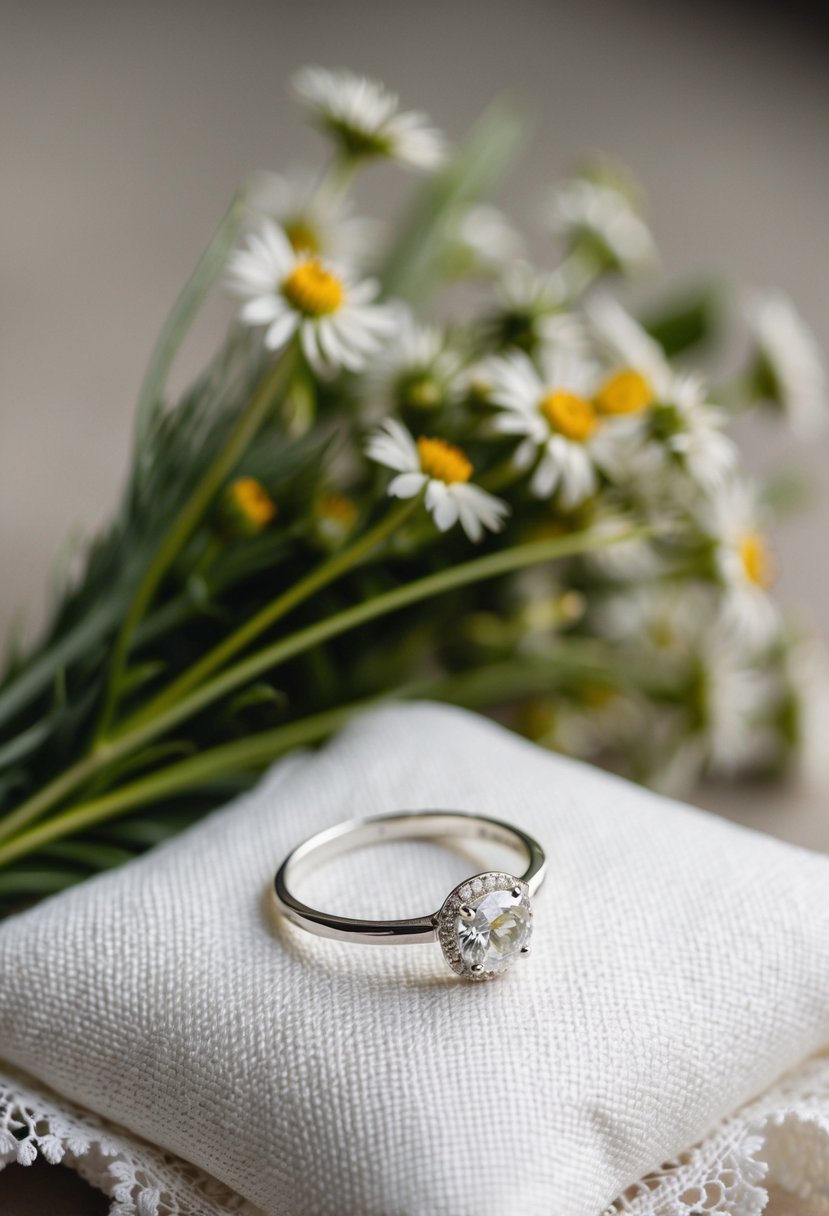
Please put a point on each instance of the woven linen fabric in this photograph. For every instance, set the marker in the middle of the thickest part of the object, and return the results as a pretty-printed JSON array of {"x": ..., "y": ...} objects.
[{"x": 680, "y": 966}]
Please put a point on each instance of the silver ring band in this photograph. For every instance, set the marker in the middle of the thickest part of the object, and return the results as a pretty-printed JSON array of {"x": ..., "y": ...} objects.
[{"x": 481, "y": 924}]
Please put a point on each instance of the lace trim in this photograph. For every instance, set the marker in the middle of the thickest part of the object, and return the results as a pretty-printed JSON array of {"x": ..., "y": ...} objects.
[
  {"x": 778, "y": 1146},
  {"x": 140, "y": 1179}
]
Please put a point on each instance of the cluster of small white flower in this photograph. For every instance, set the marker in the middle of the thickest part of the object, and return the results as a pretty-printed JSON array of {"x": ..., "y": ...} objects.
[{"x": 580, "y": 418}]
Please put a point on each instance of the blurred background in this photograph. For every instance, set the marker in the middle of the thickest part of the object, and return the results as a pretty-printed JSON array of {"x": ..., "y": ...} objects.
[{"x": 127, "y": 125}]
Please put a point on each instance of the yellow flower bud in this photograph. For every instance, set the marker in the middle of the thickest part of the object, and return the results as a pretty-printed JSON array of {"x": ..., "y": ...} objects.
[{"x": 246, "y": 507}]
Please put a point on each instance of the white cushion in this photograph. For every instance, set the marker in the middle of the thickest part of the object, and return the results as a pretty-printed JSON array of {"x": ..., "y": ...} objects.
[{"x": 679, "y": 966}]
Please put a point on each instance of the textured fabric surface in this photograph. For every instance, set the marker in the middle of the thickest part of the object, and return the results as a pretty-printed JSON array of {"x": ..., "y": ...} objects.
[
  {"x": 774, "y": 1150},
  {"x": 680, "y": 966}
]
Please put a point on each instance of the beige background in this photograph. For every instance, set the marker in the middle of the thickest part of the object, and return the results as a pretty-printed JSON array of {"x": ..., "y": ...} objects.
[{"x": 125, "y": 127}]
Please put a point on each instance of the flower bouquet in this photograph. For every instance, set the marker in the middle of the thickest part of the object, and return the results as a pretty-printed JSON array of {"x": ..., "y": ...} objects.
[{"x": 418, "y": 466}]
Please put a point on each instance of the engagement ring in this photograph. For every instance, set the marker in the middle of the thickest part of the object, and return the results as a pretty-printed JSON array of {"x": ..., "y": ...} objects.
[{"x": 483, "y": 925}]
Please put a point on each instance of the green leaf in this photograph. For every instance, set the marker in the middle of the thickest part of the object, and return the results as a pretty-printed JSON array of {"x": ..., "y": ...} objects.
[
  {"x": 41, "y": 672},
  {"x": 91, "y": 854},
  {"x": 33, "y": 881},
  {"x": 153, "y": 755},
  {"x": 24, "y": 744},
  {"x": 146, "y": 832},
  {"x": 257, "y": 694},
  {"x": 11, "y": 780},
  {"x": 414, "y": 264},
  {"x": 140, "y": 674},
  {"x": 185, "y": 310},
  {"x": 687, "y": 322}
]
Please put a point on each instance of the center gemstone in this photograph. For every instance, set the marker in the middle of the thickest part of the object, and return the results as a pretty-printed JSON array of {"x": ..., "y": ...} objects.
[{"x": 499, "y": 930}]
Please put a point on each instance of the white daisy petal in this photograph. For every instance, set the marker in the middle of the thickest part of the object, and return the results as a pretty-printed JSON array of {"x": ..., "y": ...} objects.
[
  {"x": 443, "y": 505},
  {"x": 407, "y": 485},
  {"x": 282, "y": 329},
  {"x": 546, "y": 476},
  {"x": 791, "y": 374},
  {"x": 260, "y": 310}
]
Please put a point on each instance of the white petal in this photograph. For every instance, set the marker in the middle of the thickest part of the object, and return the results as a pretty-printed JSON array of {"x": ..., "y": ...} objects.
[
  {"x": 545, "y": 478},
  {"x": 281, "y": 330},
  {"x": 308, "y": 338},
  {"x": 260, "y": 310},
  {"x": 578, "y": 477},
  {"x": 407, "y": 485},
  {"x": 442, "y": 504},
  {"x": 392, "y": 445},
  {"x": 524, "y": 454}
]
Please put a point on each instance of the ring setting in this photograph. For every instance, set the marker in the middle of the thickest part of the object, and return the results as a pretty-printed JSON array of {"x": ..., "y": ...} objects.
[{"x": 483, "y": 926}]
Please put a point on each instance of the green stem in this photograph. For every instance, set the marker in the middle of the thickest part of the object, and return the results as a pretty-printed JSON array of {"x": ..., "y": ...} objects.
[
  {"x": 320, "y": 577},
  {"x": 269, "y": 657},
  {"x": 133, "y": 735},
  {"x": 478, "y": 687},
  {"x": 245, "y": 754},
  {"x": 32, "y": 681},
  {"x": 336, "y": 180},
  {"x": 271, "y": 384},
  {"x": 577, "y": 272}
]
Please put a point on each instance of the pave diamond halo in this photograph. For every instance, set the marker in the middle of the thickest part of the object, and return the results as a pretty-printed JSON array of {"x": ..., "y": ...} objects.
[{"x": 485, "y": 925}]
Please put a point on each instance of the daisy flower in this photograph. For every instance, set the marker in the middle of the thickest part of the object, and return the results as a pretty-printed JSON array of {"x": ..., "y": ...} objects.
[
  {"x": 314, "y": 222},
  {"x": 294, "y": 293},
  {"x": 602, "y": 218},
  {"x": 663, "y": 620},
  {"x": 670, "y": 415},
  {"x": 420, "y": 370},
  {"x": 529, "y": 301},
  {"x": 789, "y": 371},
  {"x": 553, "y": 413},
  {"x": 363, "y": 117},
  {"x": 443, "y": 472},
  {"x": 690, "y": 431},
  {"x": 744, "y": 563}
]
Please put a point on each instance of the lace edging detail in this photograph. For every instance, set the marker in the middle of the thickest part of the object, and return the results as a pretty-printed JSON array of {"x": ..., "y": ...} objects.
[
  {"x": 140, "y": 1179},
  {"x": 777, "y": 1145}
]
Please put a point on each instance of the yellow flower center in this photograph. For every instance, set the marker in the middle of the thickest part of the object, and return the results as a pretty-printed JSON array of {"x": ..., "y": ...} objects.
[
  {"x": 598, "y": 696},
  {"x": 337, "y": 509},
  {"x": 625, "y": 392},
  {"x": 757, "y": 560},
  {"x": 443, "y": 460},
  {"x": 569, "y": 414},
  {"x": 302, "y": 236},
  {"x": 253, "y": 501},
  {"x": 313, "y": 290}
]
